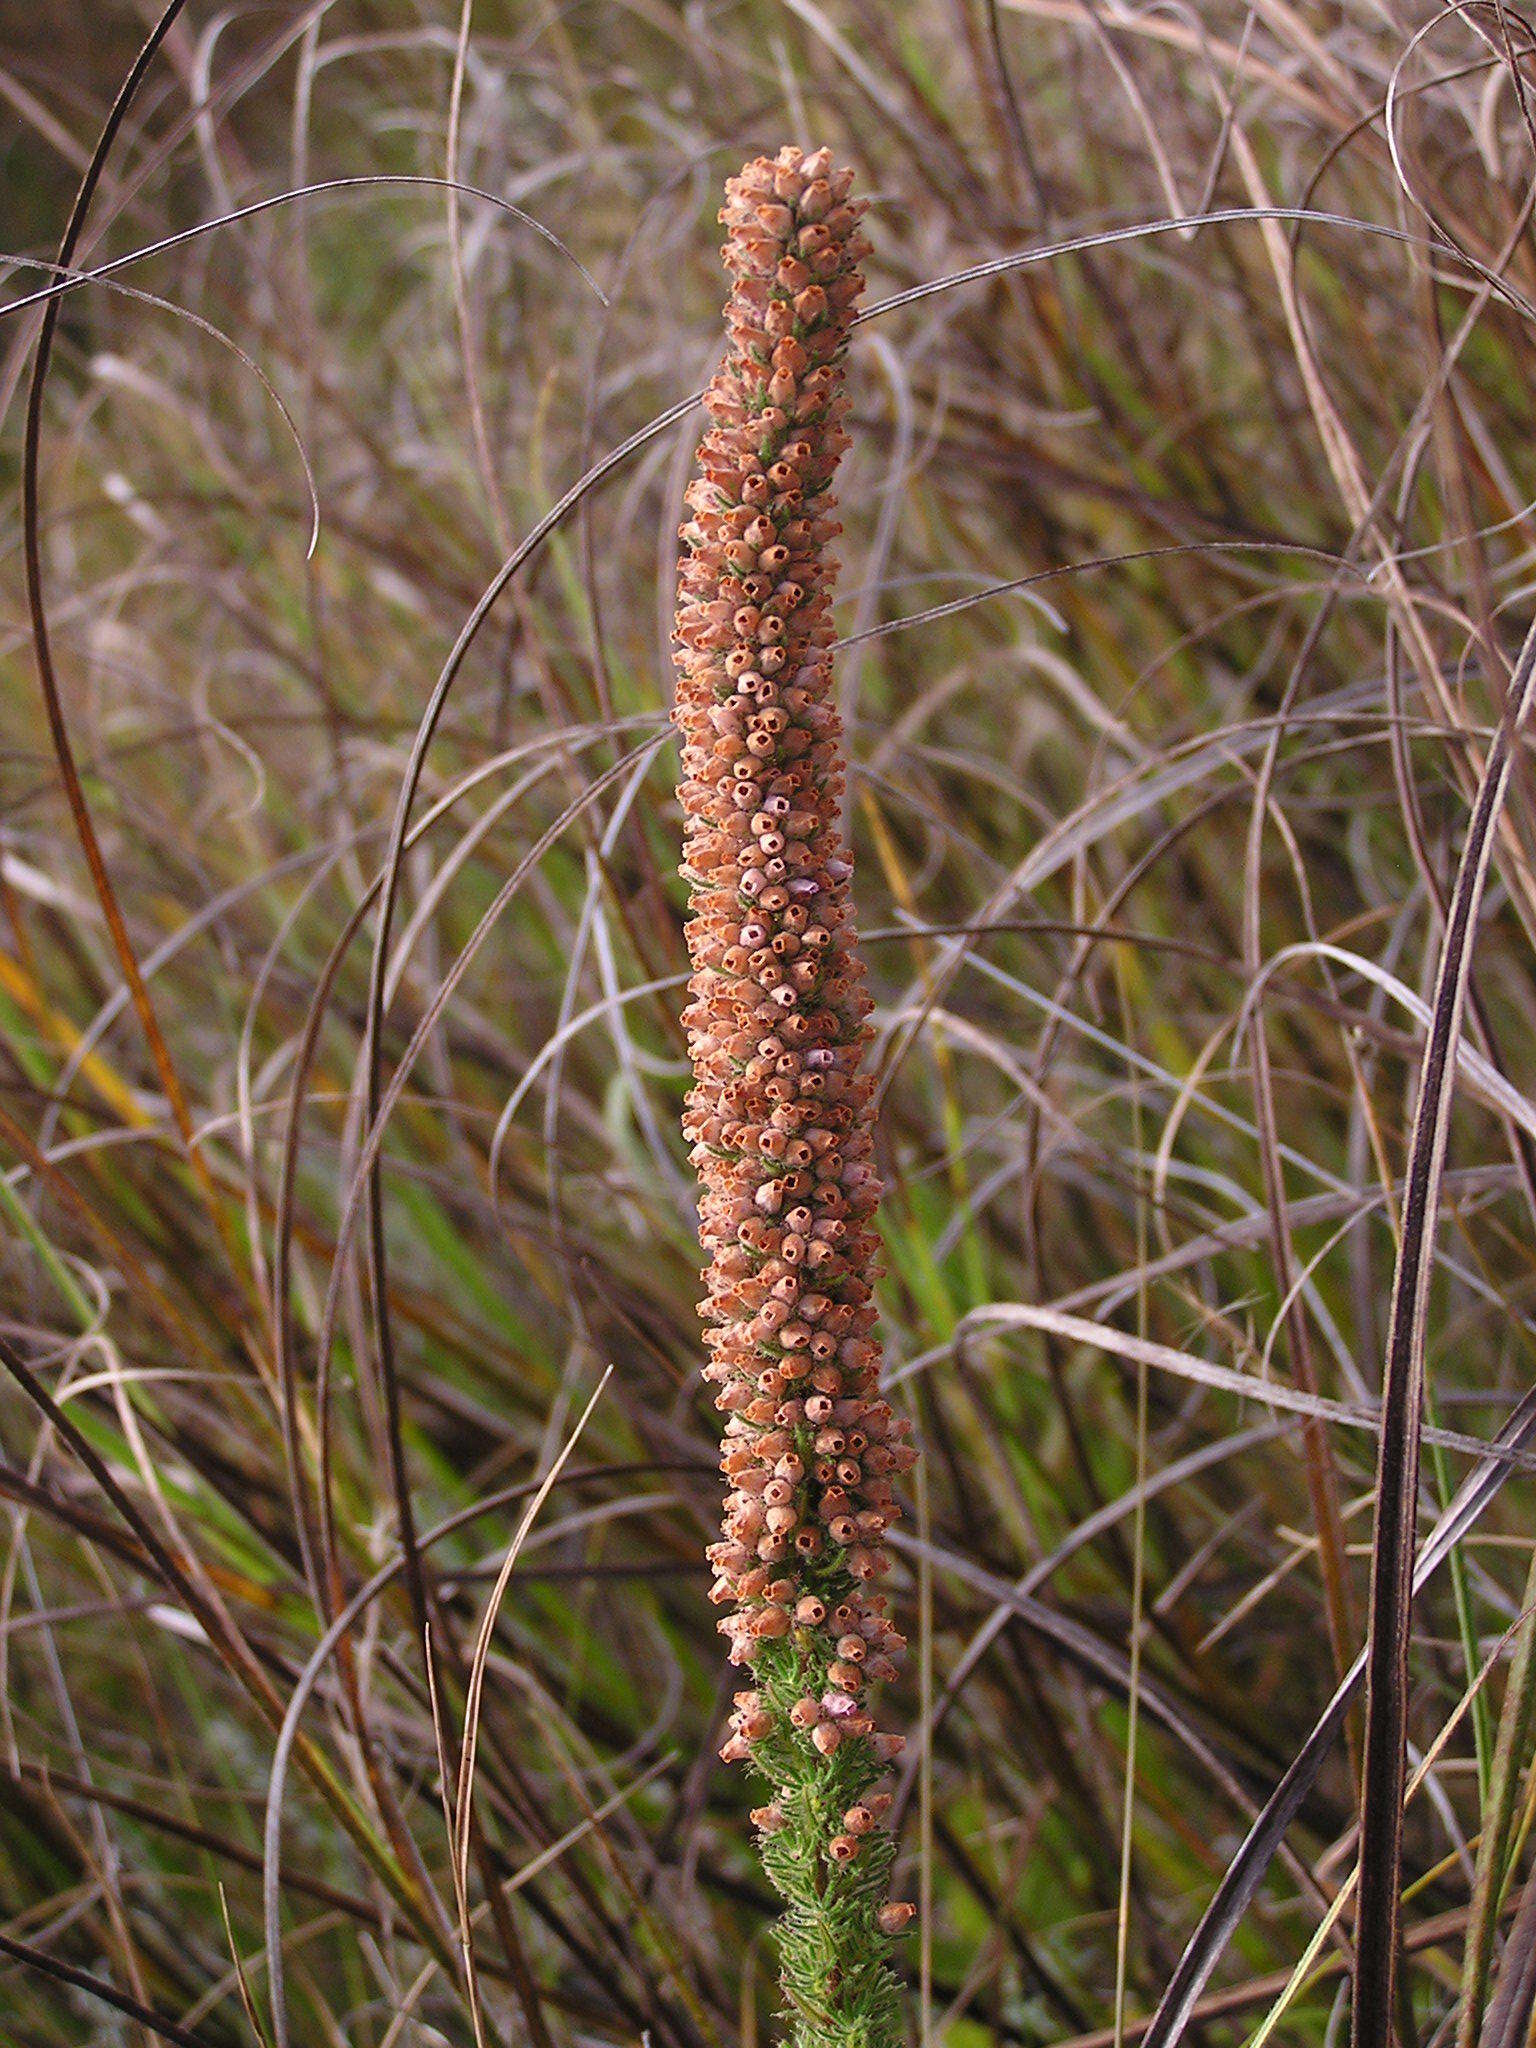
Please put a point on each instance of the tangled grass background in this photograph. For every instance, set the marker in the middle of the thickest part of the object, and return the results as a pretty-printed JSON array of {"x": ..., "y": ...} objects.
[{"x": 356, "y": 1462}]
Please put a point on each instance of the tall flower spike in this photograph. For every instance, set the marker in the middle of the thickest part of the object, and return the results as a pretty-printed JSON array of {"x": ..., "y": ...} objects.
[{"x": 779, "y": 1115}]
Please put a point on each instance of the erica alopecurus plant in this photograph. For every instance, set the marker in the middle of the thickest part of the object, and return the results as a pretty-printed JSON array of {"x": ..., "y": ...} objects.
[{"x": 779, "y": 1115}]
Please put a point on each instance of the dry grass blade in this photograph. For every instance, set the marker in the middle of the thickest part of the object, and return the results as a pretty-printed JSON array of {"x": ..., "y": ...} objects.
[
  {"x": 1508, "y": 2022},
  {"x": 1245, "y": 1871},
  {"x": 101, "y": 1992},
  {"x": 1511, "y": 1755},
  {"x": 42, "y": 646},
  {"x": 464, "y": 1787},
  {"x": 1377, "y": 1932},
  {"x": 247, "y": 2002}
]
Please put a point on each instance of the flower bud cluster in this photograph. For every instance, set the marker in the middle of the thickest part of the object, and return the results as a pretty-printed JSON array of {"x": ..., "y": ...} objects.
[{"x": 779, "y": 1115}]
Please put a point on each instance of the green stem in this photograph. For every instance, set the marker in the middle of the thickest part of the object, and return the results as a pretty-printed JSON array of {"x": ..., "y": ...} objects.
[
  {"x": 1517, "y": 1721},
  {"x": 834, "y": 1956}
]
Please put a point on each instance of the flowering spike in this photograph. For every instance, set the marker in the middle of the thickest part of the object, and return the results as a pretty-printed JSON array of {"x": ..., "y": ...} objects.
[{"x": 778, "y": 1120}]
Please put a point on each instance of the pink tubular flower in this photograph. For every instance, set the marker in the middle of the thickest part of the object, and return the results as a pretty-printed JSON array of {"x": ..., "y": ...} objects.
[{"x": 779, "y": 1115}]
